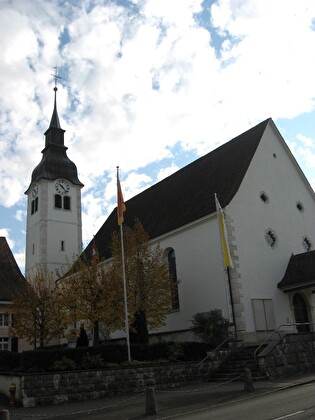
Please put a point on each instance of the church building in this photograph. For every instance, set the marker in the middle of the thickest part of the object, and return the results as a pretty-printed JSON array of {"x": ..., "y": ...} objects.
[
  {"x": 269, "y": 209},
  {"x": 268, "y": 206}
]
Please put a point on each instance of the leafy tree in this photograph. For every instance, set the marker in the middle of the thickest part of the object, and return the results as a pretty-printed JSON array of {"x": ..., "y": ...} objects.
[
  {"x": 93, "y": 295},
  {"x": 211, "y": 327},
  {"x": 147, "y": 278},
  {"x": 36, "y": 312}
]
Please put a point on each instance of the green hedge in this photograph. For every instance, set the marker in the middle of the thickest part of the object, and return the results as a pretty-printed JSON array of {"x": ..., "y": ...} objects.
[
  {"x": 9, "y": 361},
  {"x": 107, "y": 354}
]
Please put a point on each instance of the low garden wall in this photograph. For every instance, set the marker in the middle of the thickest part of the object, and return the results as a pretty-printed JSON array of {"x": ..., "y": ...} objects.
[{"x": 294, "y": 353}]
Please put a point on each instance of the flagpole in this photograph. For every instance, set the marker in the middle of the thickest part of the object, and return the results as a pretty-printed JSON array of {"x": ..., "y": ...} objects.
[
  {"x": 231, "y": 299},
  {"x": 227, "y": 260},
  {"x": 125, "y": 290},
  {"x": 120, "y": 211}
]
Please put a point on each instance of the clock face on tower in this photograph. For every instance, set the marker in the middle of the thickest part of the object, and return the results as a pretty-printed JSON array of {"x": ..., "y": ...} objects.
[
  {"x": 62, "y": 187},
  {"x": 35, "y": 191}
]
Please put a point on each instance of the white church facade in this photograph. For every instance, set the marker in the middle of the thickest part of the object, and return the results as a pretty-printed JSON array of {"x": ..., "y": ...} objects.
[{"x": 269, "y": 209}]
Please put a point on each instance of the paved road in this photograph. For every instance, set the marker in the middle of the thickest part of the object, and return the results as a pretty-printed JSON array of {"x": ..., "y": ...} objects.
[{"x": 293, "y": 403}]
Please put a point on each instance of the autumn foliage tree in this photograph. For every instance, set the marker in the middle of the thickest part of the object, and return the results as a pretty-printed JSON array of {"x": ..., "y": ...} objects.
[
  {"x": 36, "y": 311},
  {"x": 147, "y": 278},
  {"x": 93, "y": 295}
]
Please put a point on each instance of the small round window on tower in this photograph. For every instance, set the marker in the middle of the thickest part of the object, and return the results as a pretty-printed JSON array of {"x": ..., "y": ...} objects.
[
  {"x": 307, "y": 245},
  {"x": 264, "y": 197},
  {"x": 271, "y": 238},
  {"x": 300, "y": 206}
]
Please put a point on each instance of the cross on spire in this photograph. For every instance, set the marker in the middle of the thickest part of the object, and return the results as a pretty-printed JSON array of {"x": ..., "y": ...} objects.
[{"x": 56, "y": 77}]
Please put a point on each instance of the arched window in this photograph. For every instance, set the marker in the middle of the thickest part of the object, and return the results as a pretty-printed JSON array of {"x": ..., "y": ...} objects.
[{"x": 173, "y": 277}]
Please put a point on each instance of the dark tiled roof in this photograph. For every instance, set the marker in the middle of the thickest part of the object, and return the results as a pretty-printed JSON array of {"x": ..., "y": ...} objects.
[
  {"x": 11, "y": 278},
  {"x": 55, "y": 162},
  {"x": 188, "y": 194},
  {"x": 300, "y": 272}
]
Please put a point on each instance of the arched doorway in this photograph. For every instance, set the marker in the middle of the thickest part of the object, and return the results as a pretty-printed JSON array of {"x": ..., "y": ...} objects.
[{"x": 300, "y": 312}]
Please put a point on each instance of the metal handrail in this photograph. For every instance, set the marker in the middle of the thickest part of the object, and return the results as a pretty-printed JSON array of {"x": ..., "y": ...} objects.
[
  {"x": 276, "y": 331},
  {"x": 216, "y": 349}
]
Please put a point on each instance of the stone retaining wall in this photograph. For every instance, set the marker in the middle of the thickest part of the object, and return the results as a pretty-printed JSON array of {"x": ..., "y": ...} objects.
[
  {"x": 294, "y": 353},
  {"x": 54, "y": 388}
]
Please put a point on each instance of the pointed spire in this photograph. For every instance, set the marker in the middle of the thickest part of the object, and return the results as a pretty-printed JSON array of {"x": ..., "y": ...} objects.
[{"x": 54, "y": 122}]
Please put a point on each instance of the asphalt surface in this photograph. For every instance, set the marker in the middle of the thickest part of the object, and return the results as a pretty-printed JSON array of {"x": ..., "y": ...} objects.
[{"x": 157, "y": 404}]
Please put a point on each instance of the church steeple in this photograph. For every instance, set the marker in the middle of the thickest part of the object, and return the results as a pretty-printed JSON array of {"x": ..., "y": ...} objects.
[
  {"x": 55, "y": 162},
  {"x": 54, "y": 134},
  {"x": 54, "y": 223}
]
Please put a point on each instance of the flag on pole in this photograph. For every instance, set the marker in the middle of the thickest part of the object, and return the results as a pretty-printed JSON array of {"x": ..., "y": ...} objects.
[
  {"x": 120, "y": 202},
  {"x": 228, "y": 263}
]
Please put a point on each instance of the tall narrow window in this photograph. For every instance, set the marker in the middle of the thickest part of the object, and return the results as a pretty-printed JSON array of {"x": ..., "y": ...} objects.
[
  {"x": 62, "y": 202},
  {"x": 4, "y": 343},
  {"x": 34, "y": 205},
  {"x": 62, "y": 245},
  {"x": 4, "y": 319},
  {"x": 58, "y": 201},
  {"x": 173, "y": 279},
  {"x": 66, "y": 202}
]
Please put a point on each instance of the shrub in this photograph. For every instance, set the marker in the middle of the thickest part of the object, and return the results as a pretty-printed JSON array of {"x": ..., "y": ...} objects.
[
  {"x": 176, "y": 352},
  {"x": 211, "y": 327},
  {"x": 92, "y": 362},
  {"x": 64, "y": 364}
]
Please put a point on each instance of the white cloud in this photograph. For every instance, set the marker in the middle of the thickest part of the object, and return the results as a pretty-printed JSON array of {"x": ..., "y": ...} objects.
[
  {"x": 138, "y": 83},
  {"x": 307, "y": 141},
  {"x": 6, "y": 233},
  {"x": 20, "y": 215}
]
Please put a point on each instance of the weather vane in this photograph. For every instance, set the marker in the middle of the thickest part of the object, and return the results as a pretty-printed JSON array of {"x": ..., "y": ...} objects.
[{"x": 56, "y": 77}]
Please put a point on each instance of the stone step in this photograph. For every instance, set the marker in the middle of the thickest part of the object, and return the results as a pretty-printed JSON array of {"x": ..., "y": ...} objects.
[{"x": 235, "y": 364}]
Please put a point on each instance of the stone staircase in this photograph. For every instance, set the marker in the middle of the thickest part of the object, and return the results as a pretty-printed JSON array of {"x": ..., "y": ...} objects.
[{"x": 233, "y": 367}]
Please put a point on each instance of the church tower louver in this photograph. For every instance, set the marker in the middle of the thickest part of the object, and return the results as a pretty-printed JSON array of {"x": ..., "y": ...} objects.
[{"x": 54, "y": 227}]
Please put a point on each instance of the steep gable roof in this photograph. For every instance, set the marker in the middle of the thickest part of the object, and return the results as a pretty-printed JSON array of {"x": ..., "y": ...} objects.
[
  {"x": 11, "y": 278},
  {"x": 300, "y": 272},
  {"x": 188, "y": 194}
]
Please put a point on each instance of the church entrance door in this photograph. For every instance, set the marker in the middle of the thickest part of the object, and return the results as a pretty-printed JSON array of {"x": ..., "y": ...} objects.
[{"x": 300, "y": 313}]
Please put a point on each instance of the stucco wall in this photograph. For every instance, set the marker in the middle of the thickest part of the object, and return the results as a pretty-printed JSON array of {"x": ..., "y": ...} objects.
[{"x": 260, "y": 266}]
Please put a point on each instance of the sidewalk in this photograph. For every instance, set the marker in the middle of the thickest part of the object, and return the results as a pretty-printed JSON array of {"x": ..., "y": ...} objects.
[{"x": 168, "y": 402}]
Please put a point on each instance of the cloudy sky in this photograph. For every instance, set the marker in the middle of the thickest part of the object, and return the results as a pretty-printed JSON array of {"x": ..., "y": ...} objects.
[{"x": 149, "y": 85}]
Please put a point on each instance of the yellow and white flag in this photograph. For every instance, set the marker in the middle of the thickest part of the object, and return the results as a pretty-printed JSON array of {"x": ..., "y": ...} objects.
[{"x": 228, "y": 263}]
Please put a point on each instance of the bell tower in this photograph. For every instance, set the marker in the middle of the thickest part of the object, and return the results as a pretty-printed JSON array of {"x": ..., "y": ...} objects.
[{"x": 53, "y": 226}]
